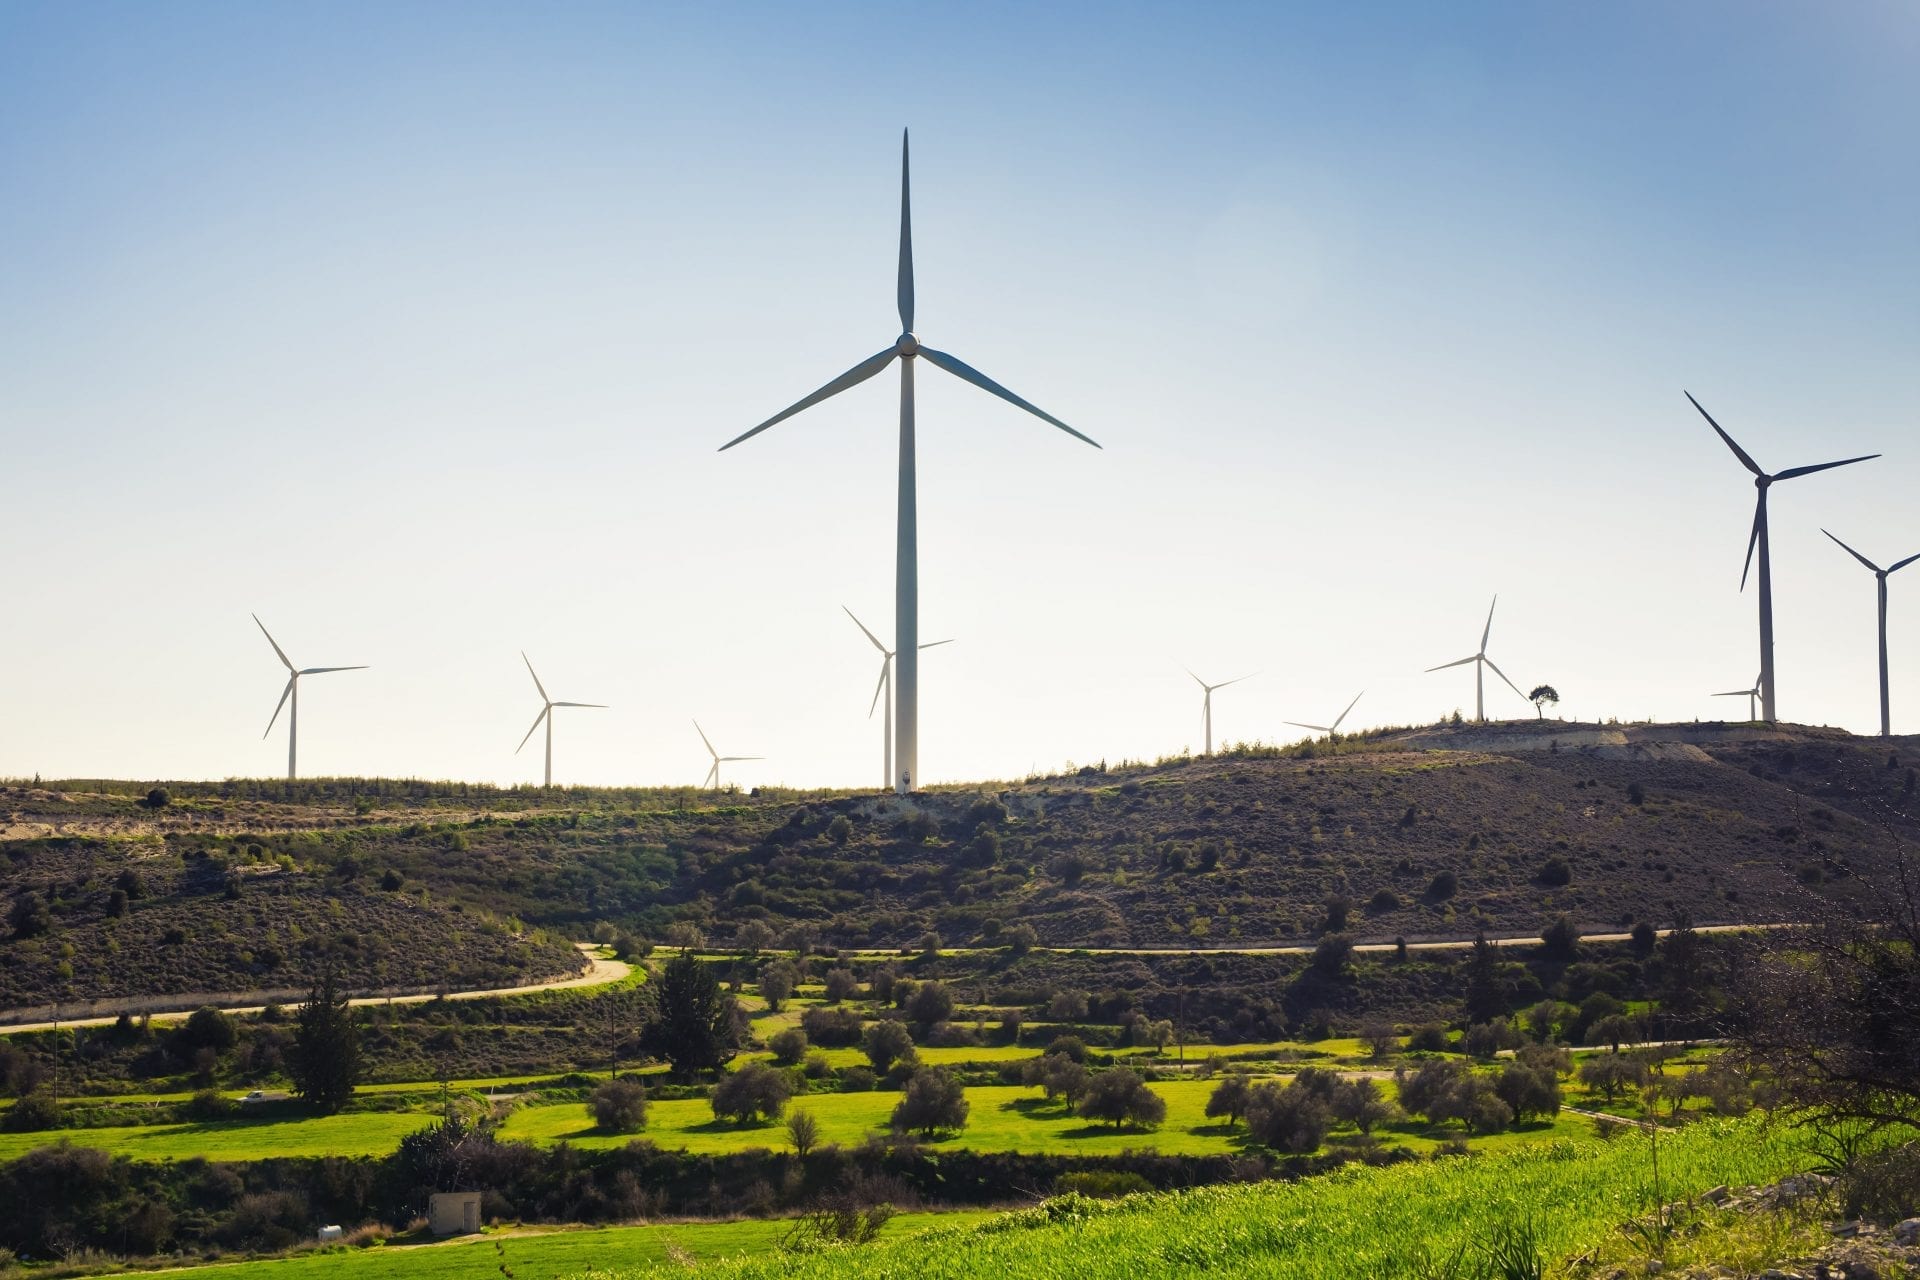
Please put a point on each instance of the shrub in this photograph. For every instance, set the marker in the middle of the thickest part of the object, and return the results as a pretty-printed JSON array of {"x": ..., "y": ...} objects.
[
  {"x": 857, "y": 1080},
  {"x": 619, "y": 1106},
  {"x": 776, "y": 984},
  {"x": 1071, "y": 1046},
  {"x": 834, "y": 1028},
  {"x": 885, "y": 1043},
  {"x": 1529, "y": 1092},
  {"x": 117, "y": 903},
  {"x": 1058, "y": 1077},
  {"x": 1119, "y": 1095},
  {"x": 1101, "y": 1184},
  {"x": 158, "y": 798},
  {"x": 210, "y": 1104},
  {"x": 930, "y": 1003},
  {"x": 32, "y": 1113},
  {"x": 788, "y": 1046},
  {"x": 1291, "y": 1119},
  {"x": 1554, "y": 873},
  {"x": 1443, "y": 886},
  {"x": 207, "y": 1028},
  {"x": 841, "y": 985},
  {"x": 1561, "y": 939},
  {"x": 803, "y": 1131},
  {"x": 1428, "y": 1037},
  {"x": 1383, "y": 901},
  {"x": 1020, "y": 939},
  {"x": 753, "y": 1092},
  {"x": 840, "y": 829},
  {"x": 934, "y": 1101},
  {"x": 1229, "y": 1098}
]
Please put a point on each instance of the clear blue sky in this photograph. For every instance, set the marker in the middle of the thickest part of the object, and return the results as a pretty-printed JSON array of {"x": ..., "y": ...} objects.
[{"x": 414, "y": 328}]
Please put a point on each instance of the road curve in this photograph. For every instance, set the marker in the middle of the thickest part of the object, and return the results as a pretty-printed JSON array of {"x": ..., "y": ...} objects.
[{"x": 601, "y": 971}]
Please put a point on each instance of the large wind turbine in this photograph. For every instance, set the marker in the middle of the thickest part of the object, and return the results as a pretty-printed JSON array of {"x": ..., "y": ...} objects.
[
  {"x": 1886, "y": 719},
  {"x": 1751, "y": 695},
  {"x": 292, "y": 691},
  {"x": 546, "y": 713},
  {"x": 1481, "y": 661},
  {"x": 1329, "y": 729},
  {"x": 1758, "y": 538},
  {"x": 1206, "y": 701},
  {"x": 713, "y": 774},
  {"x": 906, "y": 574},
  {"x": 885, "y": 689}
]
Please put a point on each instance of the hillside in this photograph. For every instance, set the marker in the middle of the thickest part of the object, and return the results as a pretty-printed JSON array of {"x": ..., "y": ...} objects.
[{"x": 1431, "y": 833}]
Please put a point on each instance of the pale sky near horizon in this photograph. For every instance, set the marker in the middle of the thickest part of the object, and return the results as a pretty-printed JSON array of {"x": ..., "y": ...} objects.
[{"x": 415, "y": 328}]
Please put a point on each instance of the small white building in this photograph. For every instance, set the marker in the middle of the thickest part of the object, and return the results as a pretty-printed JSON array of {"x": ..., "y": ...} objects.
[
  {"x": 452, "y": 1213},
  {"x": 329, "y": 1233}
]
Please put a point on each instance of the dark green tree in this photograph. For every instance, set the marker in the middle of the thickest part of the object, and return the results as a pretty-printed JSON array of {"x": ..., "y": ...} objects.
[
  {"x": 933, "y": 1101},
  {"x": 1486, "y": 1000},
  {"x": 326, "y": 1047},
  {"x": 696, "y": 1025},
  {"x": 1541, "y": 695}
]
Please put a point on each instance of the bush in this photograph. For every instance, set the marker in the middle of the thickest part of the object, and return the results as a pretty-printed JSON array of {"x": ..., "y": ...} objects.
[
  {"x": 32, "y": 1113},
  {"x": 1384, "y": 901},
  {"x": 754, "y": 1092},
  {"x": 1229, "y": 1098},
  {"x": 803, "y": 1131},
  {"x": 210, "y": 1104},
  {"x": 833, "y": 1028},
  {"x": 619, "y": 1106},
  {"x": 1428, "y": 1037},
  {"x": 934, "y": 1101},
  {"x": 1529, "y": 1092},
  {"x": 841, "y": 985},
  {"x": 1101, "y": 1184},
  {"x": 1291, "y": 1119},
  {"x": 788, "y": 1046},
  {"x": 207, "y": 1028},
  {"x": 857, "y": 1080},
  {"x": 885, "y": 1043},
  {"x": 1443, "y": 886},
  {"x": 1561, "y": 939},
  {"x": 930, "y": 1003},
  {"x": 1554, "y": 873},
  {"x": 158, "y": 798},
  {"x": 1119, "y": 1095}
]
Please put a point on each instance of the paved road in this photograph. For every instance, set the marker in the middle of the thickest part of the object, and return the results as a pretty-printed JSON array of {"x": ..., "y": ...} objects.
[{"x": 600, "y": 972}]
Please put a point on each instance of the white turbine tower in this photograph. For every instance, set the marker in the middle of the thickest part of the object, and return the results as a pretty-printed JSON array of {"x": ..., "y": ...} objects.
[
  {"x": 1758, "y": 538},
  {"x": 1886, "y": 718},
  {"x": 1206, "y": 701},
  {"x": 292, "y": 691},
  {"x": 1481, "y": 662},
  {"x": 713, "y": 774},
  {"x": 884, "y": 689},
  {"x": 546, "y": 713},
  {"x": 1329, "y": 729},
  {"x": 906, "y": 580},
  {"x": 1751, "y": 695}
]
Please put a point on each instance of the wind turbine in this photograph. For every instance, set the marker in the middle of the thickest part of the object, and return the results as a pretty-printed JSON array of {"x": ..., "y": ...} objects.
[
  {"x": 885, "y": 687},
  {"x": 1886, "y": 720},
  {"x": 906, "y": 574},
  {"x": 1762, "y": 481},
  {"x": 1329, "y": 729},
  {"x": 1206, "y": 702},
  {"x": 1481, "y": 661},
  {"x": 713, "y": 774},
  {"x": 546, "y": 713},
  {"x": 1749, "y": 694},
  {"x": 292, "y": 691}
]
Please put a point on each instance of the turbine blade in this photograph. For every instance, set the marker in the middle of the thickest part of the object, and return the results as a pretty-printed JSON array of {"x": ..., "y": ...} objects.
[
  {"x": 851, "y": 378},
  {"x": 275, "y": 643},
  {"x": 284, "y": 694},
  {"x": 1901, "y": 564},
  {"x": 320, "y": 671},
  {"x": 878, "y": 685},
  {"x": 863, "y": 630},
  {"x": 934, "y": 644},
  {"x": 1489, "y": 630},
  {"x": 1753, "y": 539},
  {"x": 1317, "y": 728},
  {"x": 1236, "y": 680},
  {"x": 1463, "y": 662},
  {"x": 536, "y": 676},
  {"x": 1792, "y": 472},
  {"x": 967, "y": 373},
  {"x": 1736, "y": 693},
  {"x": 598, "y": 706},
  {"x": 1855, "y": 554},
  {"x": 1738, "y": 452},
  {"x": 1197, "y": 680},
  {"x": 703, "y": 737},
  {"x": 536, "y": 724},
  {"x": 713, "y": 774},
  {"x": 1350, "y": 706},
  {"x": 906, "y": 244},
  {"x": 1503, "y": 675},
  {"x": 735, "y": 759}
]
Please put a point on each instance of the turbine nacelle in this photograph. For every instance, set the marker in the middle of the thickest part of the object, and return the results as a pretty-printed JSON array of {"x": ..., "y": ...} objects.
[{"x": 908, "y": 345}]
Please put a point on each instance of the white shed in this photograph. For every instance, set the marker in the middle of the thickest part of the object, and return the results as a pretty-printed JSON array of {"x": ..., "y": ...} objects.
[{"x": 452, "y": 1213}]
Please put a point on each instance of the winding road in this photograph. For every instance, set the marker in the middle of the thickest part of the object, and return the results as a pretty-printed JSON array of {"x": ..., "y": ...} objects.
[{"x": 601, "y": 971}]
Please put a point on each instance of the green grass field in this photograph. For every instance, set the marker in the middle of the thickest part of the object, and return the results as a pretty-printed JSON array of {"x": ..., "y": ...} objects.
[
  {"x": 545, "y": 1255},
  {"x": 358, "y": 1133},
  {"x": 1357, "y": 1224}
]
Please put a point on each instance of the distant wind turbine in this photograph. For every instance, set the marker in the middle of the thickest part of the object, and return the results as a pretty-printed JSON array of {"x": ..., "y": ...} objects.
[
  {"x": 713, "y": 774},
  {"x": 906, "y": 579},
  {"x": 546, "y": 713},
  {"x": 1751, "y": 695},
  {"x": 1886, "y": 718},
  {"x": 1769, "y": 709},
  {"x": 1481, "y": 661},
  {"x": 292, "y": 691},
  {"x": 1330, "y": 729},
  {"x": 1206, "y": 701},
  {"x": 885, "y": 689}
]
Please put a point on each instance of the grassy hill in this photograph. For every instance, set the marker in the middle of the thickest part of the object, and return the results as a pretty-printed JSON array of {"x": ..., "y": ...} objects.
[{"x": 1433, "y": 833}]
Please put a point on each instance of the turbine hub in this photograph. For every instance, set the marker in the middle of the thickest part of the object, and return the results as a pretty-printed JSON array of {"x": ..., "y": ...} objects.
[
  {"x": 908, "y": 346},
  {"x": 1761, "y": 482}
]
